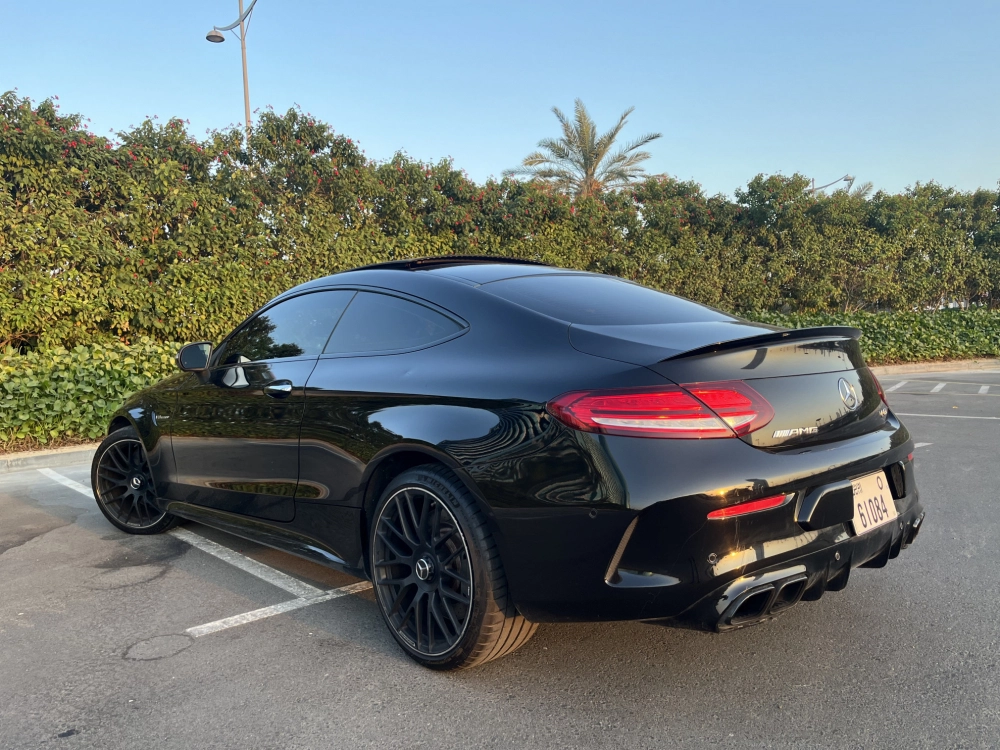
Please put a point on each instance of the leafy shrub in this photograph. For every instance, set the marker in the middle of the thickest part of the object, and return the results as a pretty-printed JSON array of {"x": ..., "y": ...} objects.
[
  {"x": 66, "y": 394},
  {"x": 164, "y": 235},
  {"x": 911, "y": 337}
]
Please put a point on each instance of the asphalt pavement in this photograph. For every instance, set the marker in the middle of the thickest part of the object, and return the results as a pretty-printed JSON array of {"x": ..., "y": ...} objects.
[{"x": 198, "y": 639}]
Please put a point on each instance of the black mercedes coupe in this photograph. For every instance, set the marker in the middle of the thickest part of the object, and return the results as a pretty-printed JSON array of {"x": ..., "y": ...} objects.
[{"x": 498, "y": 443}]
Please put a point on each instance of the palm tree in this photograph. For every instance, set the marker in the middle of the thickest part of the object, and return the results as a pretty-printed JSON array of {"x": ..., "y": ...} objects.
[
  {"x": 862, "y": 190},
  {"x": 579, "y": 162}
]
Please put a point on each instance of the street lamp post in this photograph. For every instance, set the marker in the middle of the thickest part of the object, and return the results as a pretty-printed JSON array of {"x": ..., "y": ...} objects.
[
  {"x": 216, "y": 36},
  {"x": 849, "y": 179}
]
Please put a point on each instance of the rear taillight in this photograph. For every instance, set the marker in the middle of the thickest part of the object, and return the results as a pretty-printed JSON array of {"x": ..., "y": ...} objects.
[
  {"x": 753, "y": 506},
  {"x": 703, "y": 410},
  {"x": 742, "y": 408},
  {"x": 878, "y": 387}
]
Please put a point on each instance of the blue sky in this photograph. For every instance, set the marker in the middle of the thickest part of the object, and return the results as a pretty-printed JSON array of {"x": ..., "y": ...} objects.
[{"x": 891, "y": 92}]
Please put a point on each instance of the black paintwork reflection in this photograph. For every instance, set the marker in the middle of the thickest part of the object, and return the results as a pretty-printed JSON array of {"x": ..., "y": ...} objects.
[
  {"x": 442, "y": 424},
  {"x": 541, "y": 462},
  {"x": 778, "y": 360},
  {"x": 236, "y": 448},
  {"x": 814, "y": 401},
  {"x": 512, "y": 450},
  {"x": 326, "y": 537}
]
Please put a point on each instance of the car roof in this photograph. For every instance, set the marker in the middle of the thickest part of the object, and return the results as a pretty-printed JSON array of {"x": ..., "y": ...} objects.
[
  {"x": 449, "y": 261},
  {"x": 472, "y": 269},
  {"x": 469, "y": 270}
]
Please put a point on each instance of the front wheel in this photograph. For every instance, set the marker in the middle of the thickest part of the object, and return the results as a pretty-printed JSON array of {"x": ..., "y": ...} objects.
[
  {"x": 123, "y": 485},
  {"x": 437, "y": 573}
]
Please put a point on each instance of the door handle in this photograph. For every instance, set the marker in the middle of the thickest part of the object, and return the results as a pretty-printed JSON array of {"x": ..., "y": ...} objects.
[{"x": 278, "y": 389}]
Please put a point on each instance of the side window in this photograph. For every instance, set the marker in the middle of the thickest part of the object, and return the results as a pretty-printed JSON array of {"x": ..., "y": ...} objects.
[
  {"x": 381, "y": 323},
  {"x": 298, "y": 327}
]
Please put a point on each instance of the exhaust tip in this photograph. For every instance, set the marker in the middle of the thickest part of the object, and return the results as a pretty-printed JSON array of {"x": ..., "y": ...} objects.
[
  {"x": 761, "y": 602},
  {"x": 753, "y": 607},
  {"x": 789, "y": 594}
]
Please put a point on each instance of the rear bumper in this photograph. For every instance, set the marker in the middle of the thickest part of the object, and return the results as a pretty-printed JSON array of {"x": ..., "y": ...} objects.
[
  {"x": 660, "y": 558},
  {"x": 768, "y": 592},
  {"x": 708, "y": 597}
]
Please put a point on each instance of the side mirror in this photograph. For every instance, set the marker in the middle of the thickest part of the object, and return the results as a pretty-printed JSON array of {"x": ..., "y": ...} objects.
[{"x": 194, "y": 357}]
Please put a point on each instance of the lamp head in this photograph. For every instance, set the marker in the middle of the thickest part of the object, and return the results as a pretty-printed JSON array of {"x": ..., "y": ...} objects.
[{"x": 215, "y": 36}]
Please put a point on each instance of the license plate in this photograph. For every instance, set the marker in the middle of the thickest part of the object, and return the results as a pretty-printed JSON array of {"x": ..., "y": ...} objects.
[{"x": 873, "y": 505}]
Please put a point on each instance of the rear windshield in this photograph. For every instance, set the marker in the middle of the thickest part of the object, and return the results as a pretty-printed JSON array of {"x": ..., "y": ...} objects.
[{"x": 600, "y": 300}]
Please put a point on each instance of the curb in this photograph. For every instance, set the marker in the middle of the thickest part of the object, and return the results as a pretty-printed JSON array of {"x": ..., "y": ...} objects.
[
  {"x": 953, "y": 365},
  {"x": 76, "y": 454}
]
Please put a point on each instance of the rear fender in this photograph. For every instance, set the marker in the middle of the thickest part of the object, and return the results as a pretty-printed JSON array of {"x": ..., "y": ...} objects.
[{"x": 390, "y": 462}]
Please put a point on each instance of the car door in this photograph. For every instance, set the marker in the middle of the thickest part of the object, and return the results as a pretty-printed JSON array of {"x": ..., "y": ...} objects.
[
  {"x": 235, "y": 430},
  {"x": 363, "y": 370}
]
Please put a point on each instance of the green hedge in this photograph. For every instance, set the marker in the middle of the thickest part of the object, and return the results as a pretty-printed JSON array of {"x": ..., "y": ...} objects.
[
  {"x": 65, "y": 395},
  {"x": 163, "y": 234},
  {"x": 62, "y": 395},
  {"x": 911, "y": 337}
]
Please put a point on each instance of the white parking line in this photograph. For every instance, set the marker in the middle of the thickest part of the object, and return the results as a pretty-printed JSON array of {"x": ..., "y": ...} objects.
[
  {"x": 921, "y": 445},
  {"x": 276, "y": 609},
  {"x": 945, "y": 416},
  {"x": 896, "y": 387},
  {"x": 938, "y": 387},
  {"x": 248, "y": 565},
  {"x": 67, "y": 482},
  {"x": 984, "y": 389},
  {"x": 244, "y": 563},
  {"x": 306, "y": 594}
]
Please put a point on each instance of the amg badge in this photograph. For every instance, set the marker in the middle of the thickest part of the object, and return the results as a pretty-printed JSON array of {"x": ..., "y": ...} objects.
[{"x": 795, "y": 432}]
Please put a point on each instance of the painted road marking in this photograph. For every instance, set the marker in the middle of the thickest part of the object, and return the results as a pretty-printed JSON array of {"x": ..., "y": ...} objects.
[
  {"x": 949, "y": 382},
  {"x": 944, "y": 416},
  {"x": 921, "y": 445},
  {"x": 276, "y": 609},
  {"x": 896, "y": 387},
  {"x": 248, "y": 565},
  {"x": 244, "y": 563},
  {"x": 67, "y": 482},
  {"x": 984, "y": 389},
  {"x": 938, "y": 387},
  {"x": 952, "y": 394},
  {"x": 305, "y": 594}
]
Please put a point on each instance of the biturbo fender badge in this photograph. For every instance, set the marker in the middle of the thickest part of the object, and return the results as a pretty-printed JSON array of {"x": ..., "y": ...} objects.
[{"x": 848, "y": 395}]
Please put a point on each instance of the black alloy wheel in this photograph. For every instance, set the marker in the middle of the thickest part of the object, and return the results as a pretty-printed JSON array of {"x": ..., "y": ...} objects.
[
  {"x": 437, "y": 573},
  {"x": 422, "y": 571},
  {"x": 123, "y": 485}
]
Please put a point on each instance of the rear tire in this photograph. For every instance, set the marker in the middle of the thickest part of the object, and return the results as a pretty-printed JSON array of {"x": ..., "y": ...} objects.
[
  {"x": 437, "y": 573},
  {"x": 123, "y": 485}
]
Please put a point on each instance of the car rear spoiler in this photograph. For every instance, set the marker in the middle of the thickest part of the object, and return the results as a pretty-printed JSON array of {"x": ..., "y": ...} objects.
[{"x": 816, "y": 333}]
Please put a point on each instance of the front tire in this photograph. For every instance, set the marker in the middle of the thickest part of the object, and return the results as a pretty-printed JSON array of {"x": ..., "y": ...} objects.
[
  {"x": 437, "y": 573},
  {"x": 123, "y": 485}
]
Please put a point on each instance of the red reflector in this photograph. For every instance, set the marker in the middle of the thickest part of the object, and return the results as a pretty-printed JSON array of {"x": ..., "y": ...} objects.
[
  {"x": 909, "y": 456},
  {"x": 740, "y": 509}
]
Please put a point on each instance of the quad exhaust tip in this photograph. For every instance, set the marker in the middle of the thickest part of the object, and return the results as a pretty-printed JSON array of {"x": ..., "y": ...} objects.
[
  {"x": 767, "y": 599},
  {"x": 760, "y": 602}
]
